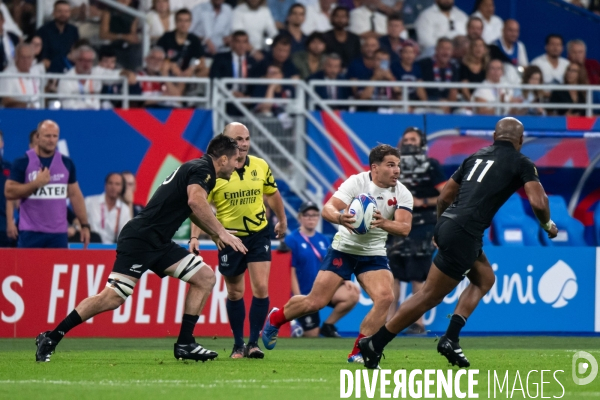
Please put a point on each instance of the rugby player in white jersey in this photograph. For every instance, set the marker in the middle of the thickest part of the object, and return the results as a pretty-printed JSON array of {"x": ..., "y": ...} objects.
[{"x": 361, "y": 255}]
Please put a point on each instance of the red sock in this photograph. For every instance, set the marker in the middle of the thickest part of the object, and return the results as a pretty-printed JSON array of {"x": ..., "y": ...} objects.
[
  {"x": 355, "y": 349},
  {"x": 278, "y": 318}
]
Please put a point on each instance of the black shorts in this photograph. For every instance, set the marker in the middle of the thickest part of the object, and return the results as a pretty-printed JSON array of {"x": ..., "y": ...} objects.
[
  {"x": 135, "y": 256},
  {"x": 457, "y": 249},
  {"x": 410, "y": 268},
  {"x": 234, "y": 263}
]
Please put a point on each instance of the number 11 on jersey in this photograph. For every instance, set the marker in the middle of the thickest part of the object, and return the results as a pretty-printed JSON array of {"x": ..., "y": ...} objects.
[{"x": 488, "y": 165}]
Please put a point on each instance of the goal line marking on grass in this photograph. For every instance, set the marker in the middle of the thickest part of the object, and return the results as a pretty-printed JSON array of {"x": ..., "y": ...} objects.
[{"x": 159, "y": 382}]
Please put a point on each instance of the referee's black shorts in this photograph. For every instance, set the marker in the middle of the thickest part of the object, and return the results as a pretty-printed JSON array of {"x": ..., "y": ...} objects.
[
  {"x": 457, "y": 249},
  {"x": 234, "y": 263}
]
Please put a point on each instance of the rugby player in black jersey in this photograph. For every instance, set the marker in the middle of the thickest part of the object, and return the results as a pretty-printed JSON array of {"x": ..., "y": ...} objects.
[
  {"x": 145, "y": 244},
  {"x": 465, "y": 208}
]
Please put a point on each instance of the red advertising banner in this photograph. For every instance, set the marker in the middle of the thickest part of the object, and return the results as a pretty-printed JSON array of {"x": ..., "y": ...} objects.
[{"x": 40, "y": 287}]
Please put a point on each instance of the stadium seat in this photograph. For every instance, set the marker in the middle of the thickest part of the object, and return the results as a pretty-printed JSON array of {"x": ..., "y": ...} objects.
[
  {"x": 512, "y": 227},
  {"x": 570, "y": 230}
]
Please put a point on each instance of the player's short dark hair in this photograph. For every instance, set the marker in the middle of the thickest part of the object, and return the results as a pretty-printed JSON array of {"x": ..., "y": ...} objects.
[
  {"x": 379, "y": 152},
  {"x": 32, "y": 135},
  {"x": 222, "y": 145},
  {"x": 59, "y": 2},
  {"x": 554, "y": 35},
  {"x": 340, "y": 8},
  {"x": 183, "y": 11},
  {"x": 239, "y": 33}
]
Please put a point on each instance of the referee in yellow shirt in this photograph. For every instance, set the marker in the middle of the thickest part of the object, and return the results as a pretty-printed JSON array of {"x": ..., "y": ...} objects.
[{"x": 240, "y": 208}]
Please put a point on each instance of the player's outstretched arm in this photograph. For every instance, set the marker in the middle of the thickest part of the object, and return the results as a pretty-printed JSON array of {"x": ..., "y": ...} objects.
[
  {"x": 446, "y": 198},
  {"x": 332, "y": 213},
  {"x": 539, "y": 204},
  {"x": 203, "y": 216},
  {"x": 400, "y": 226}
]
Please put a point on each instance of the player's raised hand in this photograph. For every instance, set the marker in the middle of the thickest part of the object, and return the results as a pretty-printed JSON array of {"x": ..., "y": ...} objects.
[
  {"x": 553, "y": 231},
  {"x": 227, "y": 239},
  {"x": 378, "y": 220}
]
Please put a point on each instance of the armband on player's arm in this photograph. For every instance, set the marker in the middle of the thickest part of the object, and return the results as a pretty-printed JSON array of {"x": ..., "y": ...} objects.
[{"x": 548, "y": 225}]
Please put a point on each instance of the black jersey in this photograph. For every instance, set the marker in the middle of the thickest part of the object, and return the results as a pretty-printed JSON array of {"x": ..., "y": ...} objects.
[
  {"x": 487, "y": 179},
  {"x": 168, "y": 208}
]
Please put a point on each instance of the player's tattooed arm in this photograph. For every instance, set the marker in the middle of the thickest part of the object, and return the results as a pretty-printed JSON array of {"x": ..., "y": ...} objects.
[{"x": 447, "y": 196}]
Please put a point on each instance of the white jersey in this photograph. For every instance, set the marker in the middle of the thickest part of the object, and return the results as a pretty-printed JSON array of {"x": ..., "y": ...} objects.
[{"x": 388, "y": 201}]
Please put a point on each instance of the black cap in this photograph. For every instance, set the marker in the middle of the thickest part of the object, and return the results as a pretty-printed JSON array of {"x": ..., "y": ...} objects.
[{"x": 308, "y": 205}]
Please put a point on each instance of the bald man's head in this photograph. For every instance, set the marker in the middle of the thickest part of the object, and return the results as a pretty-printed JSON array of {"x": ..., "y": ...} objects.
[
  {"x": 511, "y": 130},
  {"x": 241, "y": 135},
  {"x": 47, "y": 137}
]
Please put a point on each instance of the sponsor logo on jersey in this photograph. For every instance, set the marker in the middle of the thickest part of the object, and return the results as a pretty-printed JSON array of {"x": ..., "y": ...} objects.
[{"x": 242, "y": 193}]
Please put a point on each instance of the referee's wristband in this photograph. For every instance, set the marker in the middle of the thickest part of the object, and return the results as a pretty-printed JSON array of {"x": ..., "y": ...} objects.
[
  {"x": 85, "y": 226},
  {"x": 547, "y": 226},
  {"x": 193, "y": 237}
]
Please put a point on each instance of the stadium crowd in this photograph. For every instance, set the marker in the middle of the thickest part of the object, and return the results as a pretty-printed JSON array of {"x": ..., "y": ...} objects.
[{"x": 363, "y": 40}]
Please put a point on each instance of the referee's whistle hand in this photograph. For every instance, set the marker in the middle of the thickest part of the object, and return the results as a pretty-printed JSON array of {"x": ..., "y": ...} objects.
[{"x": 280, "y": 230}]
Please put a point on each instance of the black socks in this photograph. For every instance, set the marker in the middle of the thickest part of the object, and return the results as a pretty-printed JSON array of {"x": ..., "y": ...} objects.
[
  {"x": 186, "y": 334},
  {"x": 72, "y": 320},
  {"x": 382, "y": 338},
  {"x": 456, "y": 324}
]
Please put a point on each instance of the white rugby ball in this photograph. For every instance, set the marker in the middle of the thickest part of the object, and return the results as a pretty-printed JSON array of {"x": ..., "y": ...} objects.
[{"x": 362, "y": 207}]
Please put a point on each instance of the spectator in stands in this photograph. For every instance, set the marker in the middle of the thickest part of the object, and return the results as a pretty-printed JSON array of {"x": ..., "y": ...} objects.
[
  {"x": 311, "y": 60},
  {"x": 490, "y": 94},
  {"x": 574, "y": 75},
  {"x": 474, "y": 28},
  {"x": 62, "y": 65},
  {"x": 58, "y": 36},
  {"x": 84, "y": 65},
  {"x": 492, "y": 24},
  {"x": 158, "y": 65},
  {"x": 160, "y": 19},
  {"x": 361, "y": 68},
  {"x": 318, "y": 17},
  {"x": 576, "y": 52},
  {"x": 339, "y": 40},
  {"x": 473, "y": 65},
  {"x": 552, "y": 64},
  {"x": 121, "y": 30},
  {"x": 383, "y": 71},
  {"x": 396, "y": 37},
  {"x": 367, "y": 19},
  {"x": 460, "y": 46},
  {"x": 9, "y": 22},
  {"x": 107, "y": 213},
  {"x": 183, "y": 48},
  {"x": 440, "y": 68},
  {"x": 280, "y": 9},
  {"x": 442, "y": 19},
  {"x": 36, "y": 44},
  {"x": 332, "y": 71},
  {"x": 51, "y": 176},
  {"x": 212, "y": 23},
  {"x": 509, "y": 48},
  {"x": 21, "y": 92},
  {"x": 411, "y": 9},
  {"x": 128, "y": 196},
  {"x": 279, "y": 56},
  {"x": 254, "y": 17},
  {"x": 6, "y": 218},
  {"x": 532, "y": 75},
  {"x": 272, "y": 91},
  {"x": 8, "y": 41},
  {"x": 295, "y": 19},
  {"x": 409, "y": 71},
  {"x": 309, "y": 248}
]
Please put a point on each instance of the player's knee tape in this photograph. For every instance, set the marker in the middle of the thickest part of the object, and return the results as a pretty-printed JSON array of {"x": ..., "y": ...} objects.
[
  {"x": 121, "y": 285},
  {"x": 188, "y": 267}
]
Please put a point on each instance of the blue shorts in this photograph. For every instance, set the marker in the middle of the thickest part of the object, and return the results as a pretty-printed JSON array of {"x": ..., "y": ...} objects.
[
  {"x": 345, "y": 264},
  {"x": 42, "y": 240}
]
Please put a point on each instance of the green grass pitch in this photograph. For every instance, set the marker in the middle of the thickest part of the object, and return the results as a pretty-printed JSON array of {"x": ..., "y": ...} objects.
[{"x": 297, "y": 369}]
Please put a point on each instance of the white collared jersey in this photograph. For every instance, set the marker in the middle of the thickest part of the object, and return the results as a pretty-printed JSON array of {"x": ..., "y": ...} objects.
[{"x": 388, "y": 201}]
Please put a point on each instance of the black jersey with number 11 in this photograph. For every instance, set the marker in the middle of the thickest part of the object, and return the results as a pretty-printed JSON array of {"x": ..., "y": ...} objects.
[
  {"x": 487, "y": 179},
  {"x": 168, "y": 208}
]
